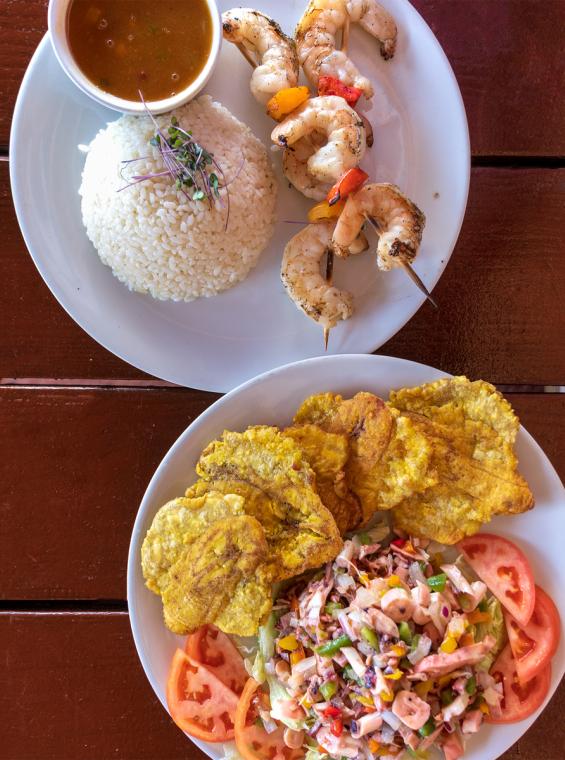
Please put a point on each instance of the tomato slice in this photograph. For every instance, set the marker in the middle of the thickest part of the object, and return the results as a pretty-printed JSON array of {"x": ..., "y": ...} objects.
[
  {"x": 252, "y": 741},
  {"x": 217, "y": 652},
  {"x": 520, "y": 699},
  {"x": 198, "y": 701},
  {"x": 506, "y": 571},
  {"x": 534, "y": 645}
]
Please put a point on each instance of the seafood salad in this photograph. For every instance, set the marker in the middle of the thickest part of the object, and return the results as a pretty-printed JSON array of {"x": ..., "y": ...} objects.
[{"x": 387, "y": 650}]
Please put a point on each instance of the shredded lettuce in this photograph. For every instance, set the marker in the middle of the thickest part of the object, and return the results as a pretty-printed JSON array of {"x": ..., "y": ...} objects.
[
  {"x": 266, "y": 649},
  {"x": 495, "y": 628},
  {"x": 314, "y": 754},
  {"x": 231, "y": 752},
  {"x": 278, "y": 694}
]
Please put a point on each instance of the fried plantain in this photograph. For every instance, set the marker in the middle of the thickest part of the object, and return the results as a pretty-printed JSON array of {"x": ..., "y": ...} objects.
[
  {"x": 176, "y": 525},
  {"x": 388, "y": 459},
  {"x": 469, "y": 491},
  {"x": 223, "y": 577},
  {"x": 327, "y": 455},
  {"x": 306, "y": 534}
]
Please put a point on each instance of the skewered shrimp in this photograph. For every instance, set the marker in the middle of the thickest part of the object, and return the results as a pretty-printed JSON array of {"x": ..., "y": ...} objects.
[
  {"x": 303, "y": 280},
  {"x": 276, "y": 59},
  {"x": 295, "y": 166},
  {"x": 345, "y": 132},
  {"x": 316, "y": 38},
  {"x": 400, "y": 223}
]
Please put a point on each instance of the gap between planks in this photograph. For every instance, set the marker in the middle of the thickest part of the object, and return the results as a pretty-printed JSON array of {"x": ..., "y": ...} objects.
[
  {"x": 80, "y": 384},
  {"x": 63, "y": 606}
]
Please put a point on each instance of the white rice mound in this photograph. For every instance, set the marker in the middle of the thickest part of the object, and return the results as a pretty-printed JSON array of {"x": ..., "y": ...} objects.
[{"x": 156, "y": 240}]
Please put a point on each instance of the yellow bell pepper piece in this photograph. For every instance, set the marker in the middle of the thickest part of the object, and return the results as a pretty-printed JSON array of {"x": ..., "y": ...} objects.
[
  {"x": 296, "y": 656},
  {"x": 286, "y": 101},
  {"x": 398, "y": 650},
  {"x": 449, "y": 645},
  {"x": 387, "y": 696},
  {"x": 443, "y": 681},
  {"x": 288, "y": 643},
  {"x": 322, "y": 211},
  {"x": 367, "y": 701},
  {"x": 373, "y": 745},
  {"x": 364, "y": 578},
  {"x": 423, "y": 688},
  {"x": 484, "y": 708},
  {"x": 394, "y": 581},
  {"x": 396, "y": 675}
]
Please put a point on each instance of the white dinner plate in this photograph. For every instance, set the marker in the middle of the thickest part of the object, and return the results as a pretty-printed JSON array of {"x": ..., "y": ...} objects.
[
  {"x": 272, "y": 399},
  {"x": 421, "y": 144}
]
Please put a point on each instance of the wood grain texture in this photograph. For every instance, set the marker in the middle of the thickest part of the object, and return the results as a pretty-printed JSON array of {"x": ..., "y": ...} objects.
[
  {"x": 506, "y": 55},
  {"x": 75, "y": 464},
  {"x": 500, "y": 317},
  {"x": 500, "y": 305},
  {"x": 73, "y": 688}
]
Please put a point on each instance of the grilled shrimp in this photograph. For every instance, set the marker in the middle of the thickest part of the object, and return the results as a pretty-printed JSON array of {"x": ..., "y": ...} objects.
[
  {"x": 316, "y": 38},
  {"x": 345, "y": 133},
  {"x": 295, "y": 166},
  {"x": 400, "y": 222},
  {"x": 303, "y": 280},
  {"x": 277, "y": 61}
]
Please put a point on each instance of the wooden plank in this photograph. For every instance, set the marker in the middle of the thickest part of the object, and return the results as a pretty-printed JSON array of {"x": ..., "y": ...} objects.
[
  {"x": 507, "y": 57},
  {"x": 501, "y": 310},
  {"x": 73, "y": 689},
  {"x": 500, "y": 317},
  {"x": 75, "y": 464},
  {"x": 505, "y": 53}
]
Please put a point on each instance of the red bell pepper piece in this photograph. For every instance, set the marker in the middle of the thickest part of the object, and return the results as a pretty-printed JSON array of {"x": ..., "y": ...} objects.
[
  {"x": 334, "y": 86},
  {"x": 332, "y": 712},
  {"x": 336, "y": 727},
  {"x": 351, "y": 181}
]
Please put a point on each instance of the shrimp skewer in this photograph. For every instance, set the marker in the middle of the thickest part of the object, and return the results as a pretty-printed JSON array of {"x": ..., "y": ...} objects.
[
  {"x": 345, "y": 131},
  {"x": 408, "y": 269},
  {"x": 275, "y": 63},
  {"x": 316, "y": 38},
  {"x": 398, "y": 222}
]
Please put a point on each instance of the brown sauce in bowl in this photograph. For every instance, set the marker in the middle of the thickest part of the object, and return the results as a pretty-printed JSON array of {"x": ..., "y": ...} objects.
[{"x": 157, "y": 47}]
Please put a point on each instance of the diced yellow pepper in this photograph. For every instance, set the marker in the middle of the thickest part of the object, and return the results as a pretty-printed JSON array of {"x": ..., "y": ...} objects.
[
  {"x": 449, "y": 645},
  {"x": 396, "y": 675},
  {"x": 394, "y": 581},
  {"x": 288, "y": 643},
  {"x": 443, "y": 681},
  {"x": 367, "y": 701},
  {"x": 398, "y": 650},
  {"x": 296, "y": 656},
  {"x": 364, "y": 578},
  {"x": 373, "y": 745},
  {"x": 286, "y": 101},
  {"x": 387, "y": 696},
  {"x": 423, "y": 688},
  {"x": 484, "y": 708},
  {"x": 322, "y": 211},
  {"x": 306, "y": 703}
]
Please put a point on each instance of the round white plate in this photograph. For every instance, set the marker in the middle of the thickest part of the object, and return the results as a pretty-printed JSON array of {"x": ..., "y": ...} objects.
[
  {"x": 421, "y": 144},
  {"x": 272, "y": 399}
]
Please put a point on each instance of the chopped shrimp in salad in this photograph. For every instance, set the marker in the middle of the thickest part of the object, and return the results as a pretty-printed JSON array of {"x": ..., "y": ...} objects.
[{"x": 385, "y": 652}]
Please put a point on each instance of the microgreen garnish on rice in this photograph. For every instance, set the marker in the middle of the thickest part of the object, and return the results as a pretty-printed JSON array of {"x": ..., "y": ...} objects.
[{"x": 192, "y": 168}]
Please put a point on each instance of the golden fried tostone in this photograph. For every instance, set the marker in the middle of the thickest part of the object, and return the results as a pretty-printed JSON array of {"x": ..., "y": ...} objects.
[
  {"x": 471, "y": 428},
  {"x": 223, "y": 577},
  {"x": 306, "y": 534},
  {"x": 176, "y": 525},
  {"x": 327, "y": 455}
]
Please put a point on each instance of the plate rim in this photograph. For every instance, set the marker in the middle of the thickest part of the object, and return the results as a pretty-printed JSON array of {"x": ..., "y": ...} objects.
[
  {"x": 200, "y": 420},
  {"x": 200, "y": 378}
]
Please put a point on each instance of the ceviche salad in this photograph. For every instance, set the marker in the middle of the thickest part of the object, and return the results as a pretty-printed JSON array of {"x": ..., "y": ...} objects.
[{"x": 399, "y": 647}]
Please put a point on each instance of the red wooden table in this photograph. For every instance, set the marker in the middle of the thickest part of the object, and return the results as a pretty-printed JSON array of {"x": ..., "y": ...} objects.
[{"x": 83, "y": 432}]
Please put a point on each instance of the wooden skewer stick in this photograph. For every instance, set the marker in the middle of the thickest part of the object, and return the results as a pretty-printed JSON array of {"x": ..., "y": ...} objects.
[
  {"x": 407, "y": 268},
  {"x": 246, "y": 54},
  {"x": 329, "y": 280}
]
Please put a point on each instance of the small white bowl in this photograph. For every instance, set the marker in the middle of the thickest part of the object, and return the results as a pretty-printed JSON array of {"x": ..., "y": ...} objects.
[{"x": 57, "y": 24}]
